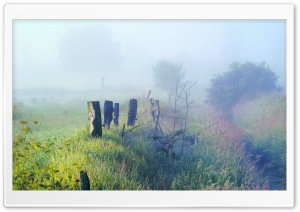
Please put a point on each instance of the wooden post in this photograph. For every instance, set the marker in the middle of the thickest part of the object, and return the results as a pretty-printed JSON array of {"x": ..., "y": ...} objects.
[
  {"x": 149, "y": 92},
  {"x": 157, "y": 104},
  {"x": 108, "y": 113},
  {"x": 132, "y": 112},
  {"x": 157, "y": 116},
  {"x": 116, "y": 114},
  {"x": 84, "y": 181},
  {"x": 94, "y": 113},
  {"x": 152, "y": 108},
  {"x": 123, "y": 131}
]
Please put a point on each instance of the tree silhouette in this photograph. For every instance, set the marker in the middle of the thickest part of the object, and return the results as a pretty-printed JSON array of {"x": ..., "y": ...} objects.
[
  {"x": 242, "y": 81},
  {"x": 166, "y": 74}
]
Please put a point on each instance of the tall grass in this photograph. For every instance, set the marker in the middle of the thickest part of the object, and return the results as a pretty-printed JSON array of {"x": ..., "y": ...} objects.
[
  {"x": 47, "y": 158},
  {"x": 107, "y": 163},
  {"x": 220, "y": 161},
  {"x": 263, "y": 122}
]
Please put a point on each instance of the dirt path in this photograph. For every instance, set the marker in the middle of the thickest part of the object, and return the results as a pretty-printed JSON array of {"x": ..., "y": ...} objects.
[{"x": 276, "y": 179}]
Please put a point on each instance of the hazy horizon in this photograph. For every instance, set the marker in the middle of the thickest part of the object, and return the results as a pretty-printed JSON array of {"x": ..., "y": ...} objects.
[{"x": 76, "y": 54}]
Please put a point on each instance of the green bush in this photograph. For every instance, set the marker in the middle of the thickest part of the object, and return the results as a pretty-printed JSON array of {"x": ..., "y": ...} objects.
[
  {"x": 241, "y": 81},
  {"x": 33, "y": 168}
]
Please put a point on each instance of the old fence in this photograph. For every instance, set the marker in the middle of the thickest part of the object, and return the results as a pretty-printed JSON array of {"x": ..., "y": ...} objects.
[{"x": 111, "y": 112}]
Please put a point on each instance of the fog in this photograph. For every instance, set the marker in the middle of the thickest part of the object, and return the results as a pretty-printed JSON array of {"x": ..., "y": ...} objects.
[{"x": 76, "y": 55}]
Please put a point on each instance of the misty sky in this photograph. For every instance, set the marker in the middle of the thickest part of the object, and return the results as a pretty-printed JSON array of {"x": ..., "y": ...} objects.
[{"x": 75, "y": 54}]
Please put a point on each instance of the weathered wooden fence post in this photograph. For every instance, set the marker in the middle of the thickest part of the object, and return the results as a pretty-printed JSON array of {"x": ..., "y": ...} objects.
[
  {"x": 152, "y": 108},
  {"x": 116, "y": 114},
  {"x": 157, "y": 116},
  {"x": 132, "y": 112},
  {"x": 157, "y": 109},
  {"x": 94, "y": 113},
  {"x": 108, "y": 113},
  {"x": 123, "y": 131},
  {"x": 149, "y": 92},
  {"x": 84, "y": 181}
]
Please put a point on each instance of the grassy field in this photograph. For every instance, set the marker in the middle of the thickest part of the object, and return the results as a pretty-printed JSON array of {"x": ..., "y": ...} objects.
[{"x": 51, "y": 145}]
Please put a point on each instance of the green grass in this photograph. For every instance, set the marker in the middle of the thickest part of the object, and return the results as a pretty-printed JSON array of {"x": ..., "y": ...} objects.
[
  {"x": 50, "y": 154},
  {"x": 263, "y": 123},
  {"x": 220, "y": 161}
]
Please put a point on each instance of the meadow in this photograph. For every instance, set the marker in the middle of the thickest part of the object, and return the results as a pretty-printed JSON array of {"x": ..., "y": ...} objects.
[{"x": 51, "y": 145}]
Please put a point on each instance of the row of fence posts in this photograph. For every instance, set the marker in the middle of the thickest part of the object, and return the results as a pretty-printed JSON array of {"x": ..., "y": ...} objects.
[{"x": 111, "y": 112}]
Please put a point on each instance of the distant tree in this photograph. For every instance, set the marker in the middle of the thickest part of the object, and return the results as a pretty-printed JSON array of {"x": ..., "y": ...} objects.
[
  {"x": 242, "y": 81},
  {"x": 166, "y": 76},
  {"x": 102, "y": 82}
]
